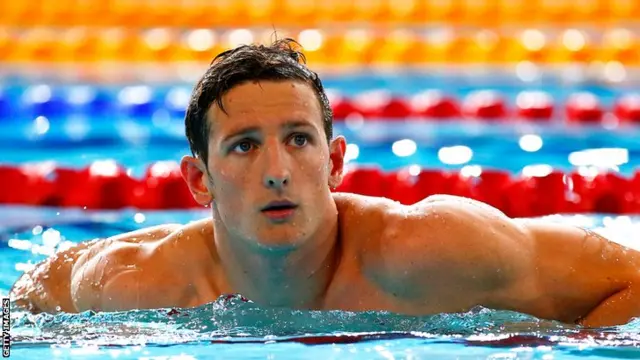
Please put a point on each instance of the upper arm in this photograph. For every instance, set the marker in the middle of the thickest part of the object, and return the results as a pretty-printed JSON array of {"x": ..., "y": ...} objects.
[
  {"x": 45, "y": 287},
  {"x": 545, "y": 269},
  {"x": 447, "y": 246},
  {"x": 127, "y": 275},
  {"x": 577, "y": 269}
]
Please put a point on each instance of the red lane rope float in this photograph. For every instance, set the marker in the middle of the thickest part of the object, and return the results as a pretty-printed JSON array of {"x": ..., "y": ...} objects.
[
  {"x": 106, "y": 185},
  {"x": 484, "y": 105}
]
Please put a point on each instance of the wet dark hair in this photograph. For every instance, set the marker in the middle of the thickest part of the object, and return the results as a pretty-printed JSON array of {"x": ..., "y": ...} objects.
[{"x": 280, "y": 61}]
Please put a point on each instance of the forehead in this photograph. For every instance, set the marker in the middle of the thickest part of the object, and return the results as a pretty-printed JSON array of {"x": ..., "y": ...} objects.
[{"x": 263, "y": 103}]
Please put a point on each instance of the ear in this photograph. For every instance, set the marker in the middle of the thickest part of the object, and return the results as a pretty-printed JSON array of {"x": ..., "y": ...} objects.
[
  {"x": 337, "y": 149},
  {"x": 194, "y": 174}
]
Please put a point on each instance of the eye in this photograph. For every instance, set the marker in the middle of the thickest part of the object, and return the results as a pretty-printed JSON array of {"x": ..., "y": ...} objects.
[
  {"x": 299, "y": 140},
  {"x": 242, "y": 147}
]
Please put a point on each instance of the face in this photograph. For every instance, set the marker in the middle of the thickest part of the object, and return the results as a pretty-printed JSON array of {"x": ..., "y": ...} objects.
[{"x": 270, "y": 166}]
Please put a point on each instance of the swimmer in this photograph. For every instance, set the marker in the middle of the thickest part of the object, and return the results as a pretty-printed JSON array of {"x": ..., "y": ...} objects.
[{"x": 265, "y": 160}]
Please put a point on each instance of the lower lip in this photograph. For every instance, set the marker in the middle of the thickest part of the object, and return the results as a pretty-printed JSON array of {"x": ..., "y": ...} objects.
[{"x": 282, "y": 214}]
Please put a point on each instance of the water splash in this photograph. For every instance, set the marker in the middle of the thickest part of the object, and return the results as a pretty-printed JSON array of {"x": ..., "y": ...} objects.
[{"x": 234, "y": 319}]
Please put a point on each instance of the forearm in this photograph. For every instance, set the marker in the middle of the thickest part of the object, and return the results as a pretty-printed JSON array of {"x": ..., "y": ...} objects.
[{"x": 618, "y": 309}]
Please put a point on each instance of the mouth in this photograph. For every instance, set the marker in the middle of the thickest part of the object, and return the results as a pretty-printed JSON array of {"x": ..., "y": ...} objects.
[{"x": 279, "y": 210}]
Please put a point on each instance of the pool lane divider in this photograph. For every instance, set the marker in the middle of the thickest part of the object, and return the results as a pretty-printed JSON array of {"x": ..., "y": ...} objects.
[
  {"x": 108, "y": 185},
  {"x": 587, "y": 107}
]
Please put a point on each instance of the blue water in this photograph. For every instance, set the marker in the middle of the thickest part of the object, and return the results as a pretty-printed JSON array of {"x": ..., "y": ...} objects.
[
  {"x": 111, "y": 140},
  {"x": 232, "y": 328}
]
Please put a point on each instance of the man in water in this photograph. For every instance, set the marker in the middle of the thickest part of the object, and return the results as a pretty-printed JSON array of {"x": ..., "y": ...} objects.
[{"x": 264, "y": 158}]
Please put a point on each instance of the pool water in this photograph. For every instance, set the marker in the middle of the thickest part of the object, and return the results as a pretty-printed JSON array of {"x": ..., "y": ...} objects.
[{"x": 232, "y": 327}]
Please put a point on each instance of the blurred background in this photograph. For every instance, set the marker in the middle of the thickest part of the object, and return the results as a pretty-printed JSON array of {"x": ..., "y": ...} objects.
[{"x": 433, "y": 95}]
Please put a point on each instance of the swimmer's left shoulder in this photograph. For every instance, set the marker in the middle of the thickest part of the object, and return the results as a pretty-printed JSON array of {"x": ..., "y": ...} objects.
[{"x": 357, "y": 202}]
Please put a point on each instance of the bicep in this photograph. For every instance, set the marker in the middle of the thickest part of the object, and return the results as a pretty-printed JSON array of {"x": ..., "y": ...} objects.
[
  {"x": 570, "y": 271},
  {"x": 571, "y": 259}
]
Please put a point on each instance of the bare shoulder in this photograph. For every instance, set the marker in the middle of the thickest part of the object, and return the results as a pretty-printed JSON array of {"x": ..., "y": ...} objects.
[
  {"x": 124, "y": 272},
  {"x": 453, "y": 240},
  {"x": 46, "y": 287},
  {"x": 362, "y": 218}
]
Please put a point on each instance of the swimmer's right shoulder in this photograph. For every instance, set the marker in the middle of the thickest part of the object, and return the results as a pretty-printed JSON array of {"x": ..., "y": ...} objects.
[{"x": 123, "y": 272}]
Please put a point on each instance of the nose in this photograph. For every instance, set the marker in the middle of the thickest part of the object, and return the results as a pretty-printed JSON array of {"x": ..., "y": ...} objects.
[
  {"x": 276, "y": 182},
  {"x": 277, "y": 175}
]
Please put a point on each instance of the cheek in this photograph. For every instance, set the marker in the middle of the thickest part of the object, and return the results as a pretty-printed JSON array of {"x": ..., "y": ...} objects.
[{"x": 316, "y": 169}]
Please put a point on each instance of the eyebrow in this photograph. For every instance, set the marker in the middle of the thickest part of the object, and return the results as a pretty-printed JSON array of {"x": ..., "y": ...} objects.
[{"x": 252, "y": 130}]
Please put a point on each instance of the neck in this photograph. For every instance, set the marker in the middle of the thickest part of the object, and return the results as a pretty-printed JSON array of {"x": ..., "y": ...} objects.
[{"x": 295, "y": 278}]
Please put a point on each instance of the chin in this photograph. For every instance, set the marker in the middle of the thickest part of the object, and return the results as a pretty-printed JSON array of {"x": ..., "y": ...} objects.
[{"x": 280, "y": 239}]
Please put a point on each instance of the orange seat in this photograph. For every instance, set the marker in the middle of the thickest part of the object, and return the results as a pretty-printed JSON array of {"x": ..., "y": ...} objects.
[
  {"x": 486, "y": 46},
  {"x": 77, "y": 44},
  {"x": 200, "y": 45},
  {"x": 553, "y": 12},
  {"x": 125, "y": 13},
  {"x": 572, "y": 46},
  {"x": 589, "y": 11},
  {"x": 330, "y": 11},
  {"x": 410, "y": 12},
  {"x": 8, "y": 45},
  {"x": 313, "y": 44},
  {"x": 396, "y": 47},
  {"x": 446, "y": 46},
  {"x": 350, "y": 48},
  {"x": 514, "y": 12},
  {"x": 479, "y": 12},
  {"x": 370, "y": 11},
  {"x": 623, "y": 10},
  {"x": 36, "y": 44},
  {"x": 443, "y": 11},
  {"x": 19, "y": 13},
  {"x": 620, "y": 45},
  {"x": 293, "y": 13}
]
